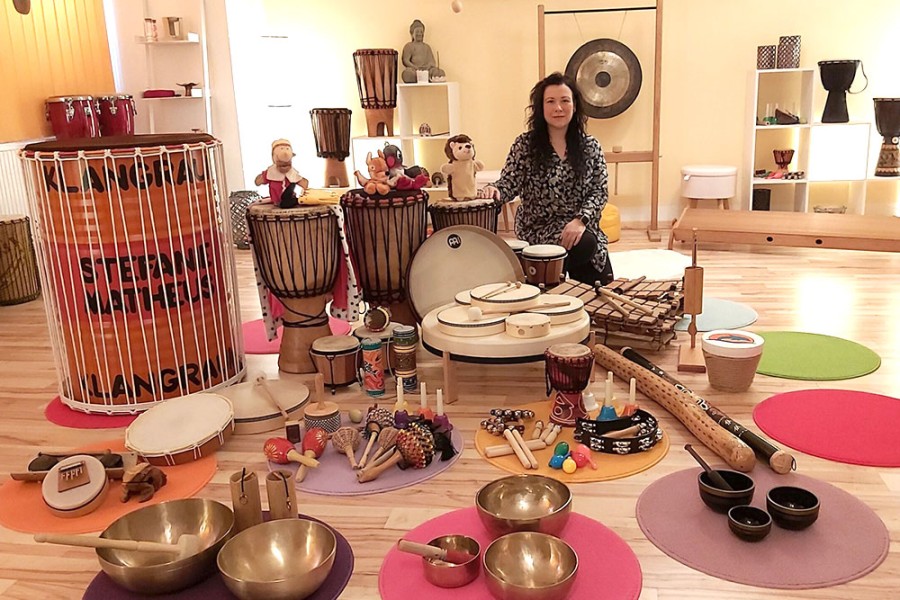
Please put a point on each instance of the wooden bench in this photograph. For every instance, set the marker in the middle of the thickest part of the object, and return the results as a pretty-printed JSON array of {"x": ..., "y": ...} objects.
[{"x": 801, "y": 230}]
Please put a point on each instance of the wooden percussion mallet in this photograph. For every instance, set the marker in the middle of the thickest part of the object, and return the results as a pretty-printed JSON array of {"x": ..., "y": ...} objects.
[{"x": 690, "y": 357}]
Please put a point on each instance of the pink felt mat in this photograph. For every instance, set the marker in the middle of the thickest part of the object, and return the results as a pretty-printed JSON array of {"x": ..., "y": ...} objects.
[
  {"x": 255, "y": 341},
  {"x": 846, "y": 542},
  {"x": 841, "y": 425},
  {"x": 607, "y": 567},
  {"x": 334, "y": 477},
  {"x": 60, "y": 414}
]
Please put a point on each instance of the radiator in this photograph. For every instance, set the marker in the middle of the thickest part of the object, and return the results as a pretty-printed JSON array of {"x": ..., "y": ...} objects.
[{"x": 13, "y": 200}]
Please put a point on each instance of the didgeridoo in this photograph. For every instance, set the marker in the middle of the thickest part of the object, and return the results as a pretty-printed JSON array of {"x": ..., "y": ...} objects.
[
  {"x": 733, "y": 451},
  {"x": 780, "y": 461}
]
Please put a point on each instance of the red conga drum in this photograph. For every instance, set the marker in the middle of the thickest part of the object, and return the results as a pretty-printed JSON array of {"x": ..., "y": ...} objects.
[
  {"x": 116, "y": 114},
  {"x": 297, "y": 252},
  {"x": 135, "y": 253},
  {"x": 72, "y": 117},
  {"x": 376, "y": 79},
  {"x": 384, "y": 232},
  {"x": 568, "y": 372},
  {"x": 331, "y": 128}
]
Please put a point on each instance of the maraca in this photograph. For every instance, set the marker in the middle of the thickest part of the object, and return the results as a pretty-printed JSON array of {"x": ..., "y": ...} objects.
[
  {"x": 586, "y": 452},
  {"x": 314, "y": 442},
  {"x": 346, "y": 440},
  {"x": 282, "y": 451}
]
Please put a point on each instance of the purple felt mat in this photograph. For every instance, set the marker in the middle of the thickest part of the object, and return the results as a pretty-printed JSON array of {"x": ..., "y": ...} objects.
[
  {"x": 334, "y": 477},
  {"x": 103, "y": 588},
  {"x": 845, "y": 543}
]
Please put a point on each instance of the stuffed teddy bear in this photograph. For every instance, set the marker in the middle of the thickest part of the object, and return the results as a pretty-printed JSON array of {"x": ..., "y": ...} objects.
[
  {"x": 377, "y": 183},
  {"x": 461, "y": 169}
]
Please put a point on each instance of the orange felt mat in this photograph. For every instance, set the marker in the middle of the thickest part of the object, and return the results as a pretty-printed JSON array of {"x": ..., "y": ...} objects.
[
  {"x": 22, "y": 506},
  {"x": 609, "y": 466}
]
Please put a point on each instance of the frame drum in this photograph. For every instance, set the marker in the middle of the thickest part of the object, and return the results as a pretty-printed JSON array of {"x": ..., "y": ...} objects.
[
  {"x": 62, "y": 493},
  {"x": 18, "y": 267},
  {"x": 297, "y": 254},
  {"x": 455, "y": 321},
  {"x": 544, "y": 264},
  {"x": 337, "y": 358},
  {"x": 181, "y": 430},
  {"x": 254, "y": 412},
  {"x": 478, "y": 213},
  {"x": 384, "y": 233},
  {"x": 134, "y": 244}
]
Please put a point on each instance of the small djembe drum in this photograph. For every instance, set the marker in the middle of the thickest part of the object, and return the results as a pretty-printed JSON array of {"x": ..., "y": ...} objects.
[
  {"x": 384, "y": 232},
  {"x": 376, "y": 78},
  {"x": 297, "y": 252},
  {"x": 568, "y": 373},
  {"x": 887, "y": 120},
  {"x": 478, "y": 213},
  {"x": 18, "y": 267},
  {"x": 133, "y": 239},
  {"x": 331, "y": 128}
]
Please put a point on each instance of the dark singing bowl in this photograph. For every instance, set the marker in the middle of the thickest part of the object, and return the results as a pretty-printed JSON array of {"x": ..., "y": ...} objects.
[
  {"x": 721, "y": 500},
  {"x": 162, "y": 572},
  {"x": 792, "y": 507},
  {"x": 278, "y": 560},
  {"x": 530, "y": 566},
  {"x": 524, "y": 503},
  {"x": 749, "y": 523},
  {"x": 450, "y": 575}
]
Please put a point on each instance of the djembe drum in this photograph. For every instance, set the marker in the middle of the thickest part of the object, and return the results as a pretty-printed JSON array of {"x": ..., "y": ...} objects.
[
  {"x": 384, "y": 233},
  {"x": 18, "y": 267},
  {"x": 331, "y": 128},
  {"x": 568, "y": 373},
  {"x": 887, "y": 121},
  {"x": 376, "y": 79},
  {"x": 479, "y": 213},
  {"x": 297, "y": 253},
  {"x": 837, "y": 77},
  {"x": 135, "y": 254}
]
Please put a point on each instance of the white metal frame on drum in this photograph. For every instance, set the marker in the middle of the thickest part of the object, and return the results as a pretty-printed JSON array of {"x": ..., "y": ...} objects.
[{"x": 49, "y": 262}]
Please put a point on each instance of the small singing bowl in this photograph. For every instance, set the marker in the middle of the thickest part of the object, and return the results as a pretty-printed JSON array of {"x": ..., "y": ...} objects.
[
  {"x": 530, "y": 566},
  {"x": 524, "y": 503},
  {"x": 722, "y": 500},
  {"x": 278, "y": 560},
  {"x": 792, "y": 507},
  {"x": 749, "y": 523},
  {"x": 162, "y": 572},
  {"x": 451, "y": 575}
]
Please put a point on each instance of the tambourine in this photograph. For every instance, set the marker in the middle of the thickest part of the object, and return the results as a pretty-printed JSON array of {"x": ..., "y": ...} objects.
[{"x": 595, "y": 434}]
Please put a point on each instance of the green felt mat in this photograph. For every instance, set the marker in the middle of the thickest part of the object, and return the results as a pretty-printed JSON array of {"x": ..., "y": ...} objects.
[{"x": 815, "y": 357}]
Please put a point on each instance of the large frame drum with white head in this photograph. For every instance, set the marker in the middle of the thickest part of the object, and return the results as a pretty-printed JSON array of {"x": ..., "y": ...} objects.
[
  {"x": 297, "y": 255},
  {"x": 135, "y": 253}
]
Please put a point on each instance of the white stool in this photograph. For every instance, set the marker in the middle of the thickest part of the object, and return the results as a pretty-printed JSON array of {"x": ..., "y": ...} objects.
[{"x": 708, "y": 182}]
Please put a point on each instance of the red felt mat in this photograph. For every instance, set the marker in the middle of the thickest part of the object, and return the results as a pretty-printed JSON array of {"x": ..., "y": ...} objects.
[
  {"x": 607, "y": 567},
  {"x": 255, "y": 341},
  {"x": 60, "y": 414},
  {"x": 841, "y": 425},
  {"x": 845, "y": 543},
  {"x": 22, "y": 505}
]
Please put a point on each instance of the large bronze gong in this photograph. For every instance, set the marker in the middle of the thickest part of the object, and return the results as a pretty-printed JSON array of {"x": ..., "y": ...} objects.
[{"x": 608, "y": 75}]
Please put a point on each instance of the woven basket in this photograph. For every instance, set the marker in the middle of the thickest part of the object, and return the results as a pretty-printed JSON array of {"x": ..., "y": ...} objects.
[{"x": 731, "y": 374}]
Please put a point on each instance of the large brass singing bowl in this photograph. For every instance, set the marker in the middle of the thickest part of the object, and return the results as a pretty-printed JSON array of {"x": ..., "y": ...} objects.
[
  {"x": 530, "y": 566},
  {"x": 162, "y": 572},
  {"x": 278, "y": 560},
  {"x": 524, "y": 503}
]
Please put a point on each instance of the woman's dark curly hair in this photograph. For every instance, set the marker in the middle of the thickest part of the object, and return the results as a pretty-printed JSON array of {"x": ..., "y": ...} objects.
[{"x": 537, "y": 125}]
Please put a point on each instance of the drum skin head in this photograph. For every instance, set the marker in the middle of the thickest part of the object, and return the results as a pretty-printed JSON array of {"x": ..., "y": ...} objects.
[{"x": 455, "y": 259}]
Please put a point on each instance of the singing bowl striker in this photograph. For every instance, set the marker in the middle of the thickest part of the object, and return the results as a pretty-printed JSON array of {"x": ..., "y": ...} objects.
[
  {"x": 278, "y": 560},
  {"x": 530, "y": 566},
  {"x": 524, "y": 503},
  {"x": 162, "y": 572}
]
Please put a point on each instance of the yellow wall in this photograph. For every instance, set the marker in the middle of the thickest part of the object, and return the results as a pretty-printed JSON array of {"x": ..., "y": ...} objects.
[
  {"x": 709, "y": 53},
  {"x": 60, "y": 48}
]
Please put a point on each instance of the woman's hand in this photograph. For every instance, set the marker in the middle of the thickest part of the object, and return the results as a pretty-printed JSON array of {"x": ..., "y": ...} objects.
[
  {"x": 489, "y": 191},
  {"x": 571, "y": 233}
]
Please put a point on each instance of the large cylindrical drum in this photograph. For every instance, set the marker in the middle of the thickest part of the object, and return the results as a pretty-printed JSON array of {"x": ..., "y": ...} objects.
[
  {"x": 18, "y": 267},
  {"x": 134, "y": 245}
]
